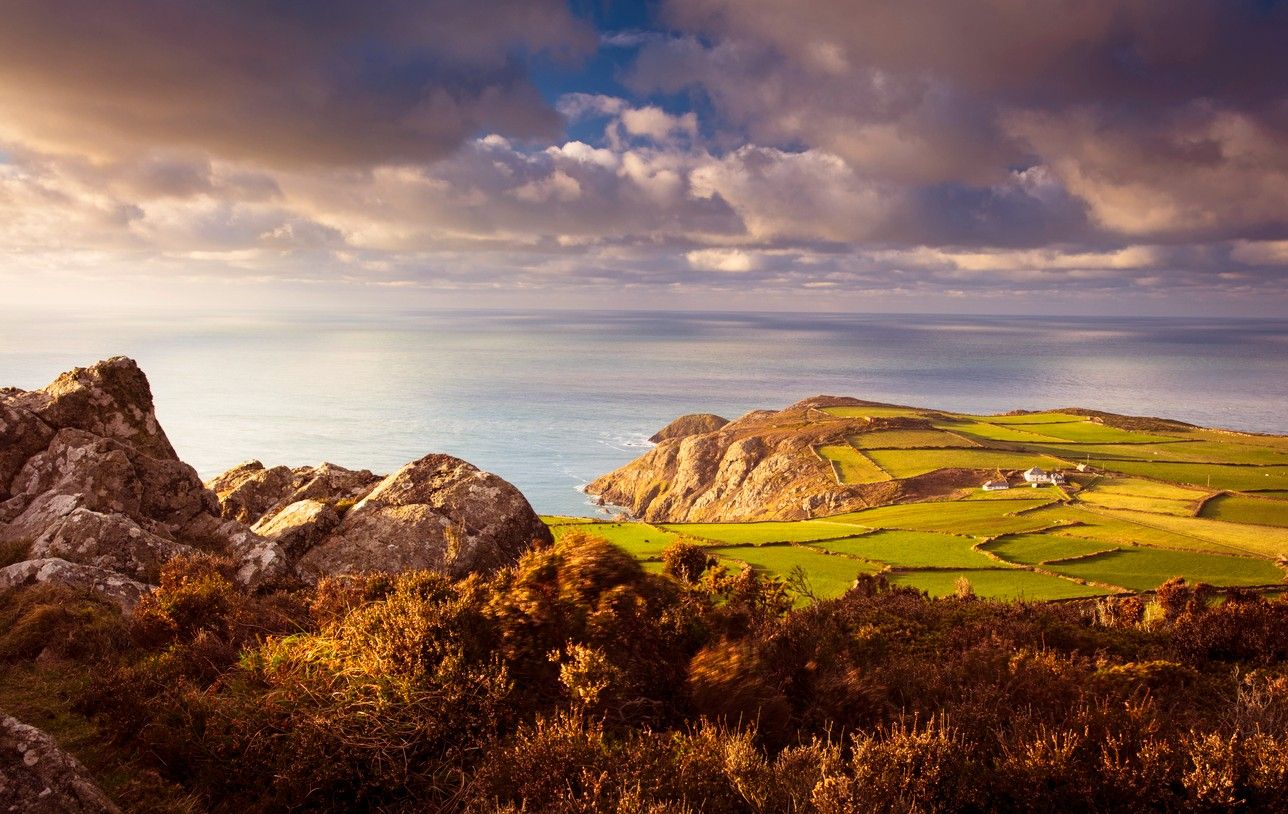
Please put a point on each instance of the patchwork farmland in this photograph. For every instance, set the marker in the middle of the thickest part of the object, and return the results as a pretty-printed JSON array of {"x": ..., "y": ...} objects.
[{"x": 1139, "y": 502}]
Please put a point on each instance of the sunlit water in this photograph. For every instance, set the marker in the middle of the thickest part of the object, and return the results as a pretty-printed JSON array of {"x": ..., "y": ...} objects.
[{"x": 550, "y": 400}]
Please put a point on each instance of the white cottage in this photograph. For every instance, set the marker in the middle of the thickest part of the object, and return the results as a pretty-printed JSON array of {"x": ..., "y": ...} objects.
[
  {"x": 995, "y": 485},
  {"x": 1037, "y": 476}
]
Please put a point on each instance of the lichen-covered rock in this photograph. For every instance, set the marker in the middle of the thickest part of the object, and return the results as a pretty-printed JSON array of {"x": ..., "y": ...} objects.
[
  {"x": 81, "y": 470},
  {"x": 439, "y": 513},
  {"x": 252, "y": 493},
  {"x": 22, "y": 435},
  {"x": 110, "y": 541},
  {"x": 122, "y": 591},
  {"x": 299, "y": 526},
  {"x": 686, "y": 425},
  {"x": 110, "y": 399},
  {"x": 247, "y": 490},
  {"x": 260, "y": 562},
  {"x": 38, "y": 777}
]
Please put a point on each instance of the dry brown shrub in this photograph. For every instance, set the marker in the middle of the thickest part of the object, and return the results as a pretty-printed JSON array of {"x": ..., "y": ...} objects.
[{"x": 729, "y": 683}]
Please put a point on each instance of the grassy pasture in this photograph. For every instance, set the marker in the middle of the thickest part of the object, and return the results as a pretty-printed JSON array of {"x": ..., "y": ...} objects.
[
  {"x": 774, "y": 531},
  {"x": 977, "y": 518},
  {"x": 1264, "y": 541},
  {"x": 642, "y": 540},
  {"x": 1233, "y": 478},
  {"x": 829, "y": 574},
  {"x": 1008, "y": 583},
  {"x": 1178, "y": 452},
  {"x": 992, "y": 432},
  {"x": 1032, "y": 418},
  {"x": 1142, "y": 495},
  {"x": 1034, "y": 549},
  {"x": 1143, "y": 569},
  {"x": 907, "y": 463},
  {"x": 1243, "y": 509},
  {"x": 1089, "y": 432},
  {"x": 851, "y": 465},
  {"x": 872, "y": 412},
  {"x": 908, "y": 439},
  {"x": 913, "y": 549},
  {"x": 565, "y": 520}
]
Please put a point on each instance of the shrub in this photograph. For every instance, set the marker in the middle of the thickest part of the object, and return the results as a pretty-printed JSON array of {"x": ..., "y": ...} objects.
[{"x": 685, "y": 561}]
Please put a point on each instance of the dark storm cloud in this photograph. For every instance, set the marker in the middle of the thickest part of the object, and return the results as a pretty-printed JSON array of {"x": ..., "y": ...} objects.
[{"x": 284, "y": 82}]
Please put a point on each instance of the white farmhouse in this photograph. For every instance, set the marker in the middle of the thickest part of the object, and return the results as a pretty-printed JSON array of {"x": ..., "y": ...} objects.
[
  {"x": 995, "y": 485},
  {"x": 1037, "y": 476}
]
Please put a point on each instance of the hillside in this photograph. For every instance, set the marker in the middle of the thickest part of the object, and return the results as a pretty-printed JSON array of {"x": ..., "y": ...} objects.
[{"x": 829, "y": 455}]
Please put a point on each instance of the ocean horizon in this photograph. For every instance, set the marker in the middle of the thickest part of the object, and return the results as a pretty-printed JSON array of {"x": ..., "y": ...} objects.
[{"x": 551, "y": 399}]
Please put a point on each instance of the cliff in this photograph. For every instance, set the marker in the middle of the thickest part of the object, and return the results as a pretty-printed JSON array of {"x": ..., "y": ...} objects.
[
  {"x": 686, "y": 425},
  {"x": 762, "y": 466}
]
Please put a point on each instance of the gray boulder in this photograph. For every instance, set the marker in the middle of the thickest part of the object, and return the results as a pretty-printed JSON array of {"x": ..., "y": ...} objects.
[
  {"x": 438, "y": 513},
  {"x": 122, "y": 591},
  {"x": 38, "y": 777}
]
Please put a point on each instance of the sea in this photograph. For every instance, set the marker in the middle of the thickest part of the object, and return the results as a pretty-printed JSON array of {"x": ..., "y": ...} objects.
[{"x": 551, "y": 399}]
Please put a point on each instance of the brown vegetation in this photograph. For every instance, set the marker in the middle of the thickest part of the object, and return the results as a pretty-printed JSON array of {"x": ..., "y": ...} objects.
[{"x": 575, "y": 681}]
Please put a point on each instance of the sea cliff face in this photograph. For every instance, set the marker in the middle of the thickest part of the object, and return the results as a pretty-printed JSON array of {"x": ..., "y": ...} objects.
[{"x": 761, "y": 466}]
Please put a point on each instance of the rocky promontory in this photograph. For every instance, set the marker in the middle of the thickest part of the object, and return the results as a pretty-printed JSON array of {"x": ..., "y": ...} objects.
[
  {"x": 762, "y": 466},
  {"x": 686, "y": 425},
  {"x": 92, "y": 494}
]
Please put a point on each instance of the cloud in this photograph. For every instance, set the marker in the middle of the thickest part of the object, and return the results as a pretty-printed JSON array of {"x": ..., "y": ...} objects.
[
  {"x": 728, "y": 260},
  {"x": 336, "y": 82},
  {"x": 1164, "y": 120}
]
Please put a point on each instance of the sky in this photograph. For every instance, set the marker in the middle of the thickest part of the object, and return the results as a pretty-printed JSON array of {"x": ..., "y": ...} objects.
[{"x": 972, "y": 156}]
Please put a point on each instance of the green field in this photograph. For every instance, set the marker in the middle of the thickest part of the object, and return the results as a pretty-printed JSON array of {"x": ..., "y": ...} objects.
[
  {"x": 913, "y": 549},
  {"x": 976, "y": 518},
  {"x": 907, "y": 463},
  {"x": 1089, "y": 432},
  {"x": 1128, "y": 524},
  {"x": 759, "y": 533},
  {"x": 850, "y": 465},
  {"x": 1143, "y": 569},
  {"x": 829, "y": 574},
  {"x": 909, "y": 439},
  {"x": 640, "y": 539},
  {"x": 992, "y": 432},
  {"x": 1259, "y": 511},
  {"x": 1032, "y": 418},
  {"x": 1142, "y": 495},
  {"x": 873, "y": 412},
  {"x": 1035, "y": 549},
  {"x": 997, "y": 584},
  {"x": 1215, "y": 476}
]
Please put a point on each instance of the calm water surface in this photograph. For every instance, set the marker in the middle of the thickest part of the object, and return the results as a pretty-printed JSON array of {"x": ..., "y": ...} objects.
[{"x": 550, "y": 400}]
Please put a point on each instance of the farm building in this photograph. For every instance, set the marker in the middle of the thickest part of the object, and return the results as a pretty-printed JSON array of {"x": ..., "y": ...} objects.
[
  {"x": 1037, "y": 476},
  {"x": 995, "y": 485}
]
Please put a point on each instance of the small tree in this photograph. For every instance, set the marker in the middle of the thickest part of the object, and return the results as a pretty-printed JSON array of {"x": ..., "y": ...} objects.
[{"x": 685, "y": 561}]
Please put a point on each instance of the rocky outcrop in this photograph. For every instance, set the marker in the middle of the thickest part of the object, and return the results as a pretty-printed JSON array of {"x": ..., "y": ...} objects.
[
  {"x": 93, "y": 495},
  {"x": 111, "y": 399},
  {"x": 96, "y": 482},
  {"x": 299, "y": 526},
  {"x": 686, "y": 425},
  {"x": 38, "y": 777},
  {"x": 762, "y": 466},
  {"x": 252, "y": 493},
  {"x": 109, "y": 541},
  {"x": 122, "y": 591},
  {"x": 758, "y": 467},
  {"x": 439, "y": 513}
]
